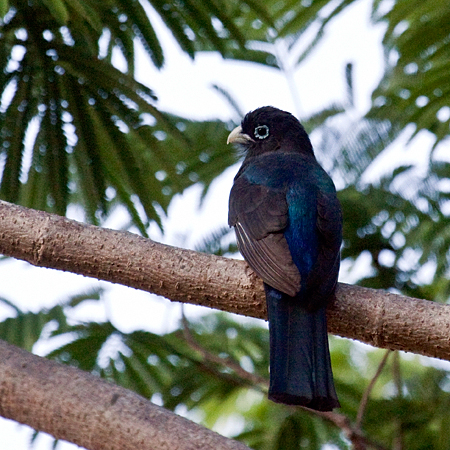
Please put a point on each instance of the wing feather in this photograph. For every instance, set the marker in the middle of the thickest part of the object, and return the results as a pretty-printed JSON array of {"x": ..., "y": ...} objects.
[
  {"x": 323, "y": 277},
  {"x": 259, "y": 215}
]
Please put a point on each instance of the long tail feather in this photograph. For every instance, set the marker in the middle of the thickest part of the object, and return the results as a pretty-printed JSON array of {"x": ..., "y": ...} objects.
[{"x": 300, "y": 366}]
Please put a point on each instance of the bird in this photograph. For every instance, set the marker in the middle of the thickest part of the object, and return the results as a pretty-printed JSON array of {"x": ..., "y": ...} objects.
[{"x": 288, "y": 225}]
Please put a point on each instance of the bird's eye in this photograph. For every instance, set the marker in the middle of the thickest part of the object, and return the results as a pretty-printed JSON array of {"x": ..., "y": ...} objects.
[{"x": 261, "y": 132}]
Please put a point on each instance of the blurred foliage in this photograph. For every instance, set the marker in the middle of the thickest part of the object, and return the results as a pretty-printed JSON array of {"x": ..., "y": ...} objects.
[
  {"x": 219, "y": 242},
  {"x": 75, "y": 129},
  {"x": 216, "y": 369},
  {"x": 415, "y": 88}
]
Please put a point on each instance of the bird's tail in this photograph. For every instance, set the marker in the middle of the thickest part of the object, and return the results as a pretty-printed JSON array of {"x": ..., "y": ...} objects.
[{"x": 300, "y": 366}]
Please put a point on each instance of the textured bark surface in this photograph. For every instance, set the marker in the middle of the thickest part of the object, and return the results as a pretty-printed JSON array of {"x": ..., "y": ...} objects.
[
  {"x": 78, "y": 407},
  {"x": 372, "y": 316},
  {"x": 387, "y": 320}
]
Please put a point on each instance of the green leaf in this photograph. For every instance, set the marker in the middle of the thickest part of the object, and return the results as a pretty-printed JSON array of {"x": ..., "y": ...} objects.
[
  {"x": 213, "y": 243},
  {"x": 415, "y": 87},
  {"x": 13, "y": 143},
  {"x": 58, "y": 10},
  {"x": 26, "y": 328},
  {"x": 4, "y": 8},
  {"x": 84, "y": 350},
  {"x": 144, "y": 31},
  {"x": 88, "y": 11},
  {"x": 93, "y": 294}
]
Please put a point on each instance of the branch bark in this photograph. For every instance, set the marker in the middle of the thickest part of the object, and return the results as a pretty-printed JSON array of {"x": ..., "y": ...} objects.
[
  {"x": 376, "y": 317},
  {"x": 35, "y": 391},
  {"x": 76, "y": 406}
]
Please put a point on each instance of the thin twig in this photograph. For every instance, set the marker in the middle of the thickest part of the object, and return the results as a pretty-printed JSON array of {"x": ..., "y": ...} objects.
[
  {"x": 353, "y": 433},
  {"x": 368, "y": 391},
  {"x": 254, "y": 380},
  {"x": 397, "y": 443}
]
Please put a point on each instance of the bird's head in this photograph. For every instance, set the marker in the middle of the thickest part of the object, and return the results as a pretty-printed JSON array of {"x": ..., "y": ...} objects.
[{"x": 269, "y": 129}]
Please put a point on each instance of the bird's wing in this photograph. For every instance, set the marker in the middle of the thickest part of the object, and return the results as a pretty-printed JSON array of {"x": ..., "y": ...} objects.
[
  {"x": 329, "y": 223},
  {"x": 259, "y": 215},
  {"x": 324, "y": 274}
]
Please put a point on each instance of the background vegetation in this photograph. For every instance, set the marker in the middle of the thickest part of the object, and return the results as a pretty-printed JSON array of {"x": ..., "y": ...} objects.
[{"x": 75, "y": 130}]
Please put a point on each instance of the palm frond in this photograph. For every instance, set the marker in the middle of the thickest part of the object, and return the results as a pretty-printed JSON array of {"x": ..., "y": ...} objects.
[{"x": 216, "y": 242}]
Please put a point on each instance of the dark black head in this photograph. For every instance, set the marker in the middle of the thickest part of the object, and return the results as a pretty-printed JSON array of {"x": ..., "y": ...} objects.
[{"x": 269, "y": 129}]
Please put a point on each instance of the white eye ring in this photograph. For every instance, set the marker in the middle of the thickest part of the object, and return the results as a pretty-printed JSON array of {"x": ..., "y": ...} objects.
[{"x": 261, "y": 131}]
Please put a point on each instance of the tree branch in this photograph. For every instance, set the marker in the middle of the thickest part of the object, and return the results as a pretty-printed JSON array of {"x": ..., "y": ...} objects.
[
  {"x": 255, "y": 381},
  {"x": 368, "y": 391},
  {"x": 81, "y": 408},
  {"x": 353, "y": 432},
  {"x": 376, "y": 317}
]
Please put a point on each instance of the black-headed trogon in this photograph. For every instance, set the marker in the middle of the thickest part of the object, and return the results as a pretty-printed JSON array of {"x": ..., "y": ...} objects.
[{"x": 288, "y": 222}]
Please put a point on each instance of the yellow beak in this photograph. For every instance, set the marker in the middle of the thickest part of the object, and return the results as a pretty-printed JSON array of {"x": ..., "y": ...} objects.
[{"x": 238, "y": 137}]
